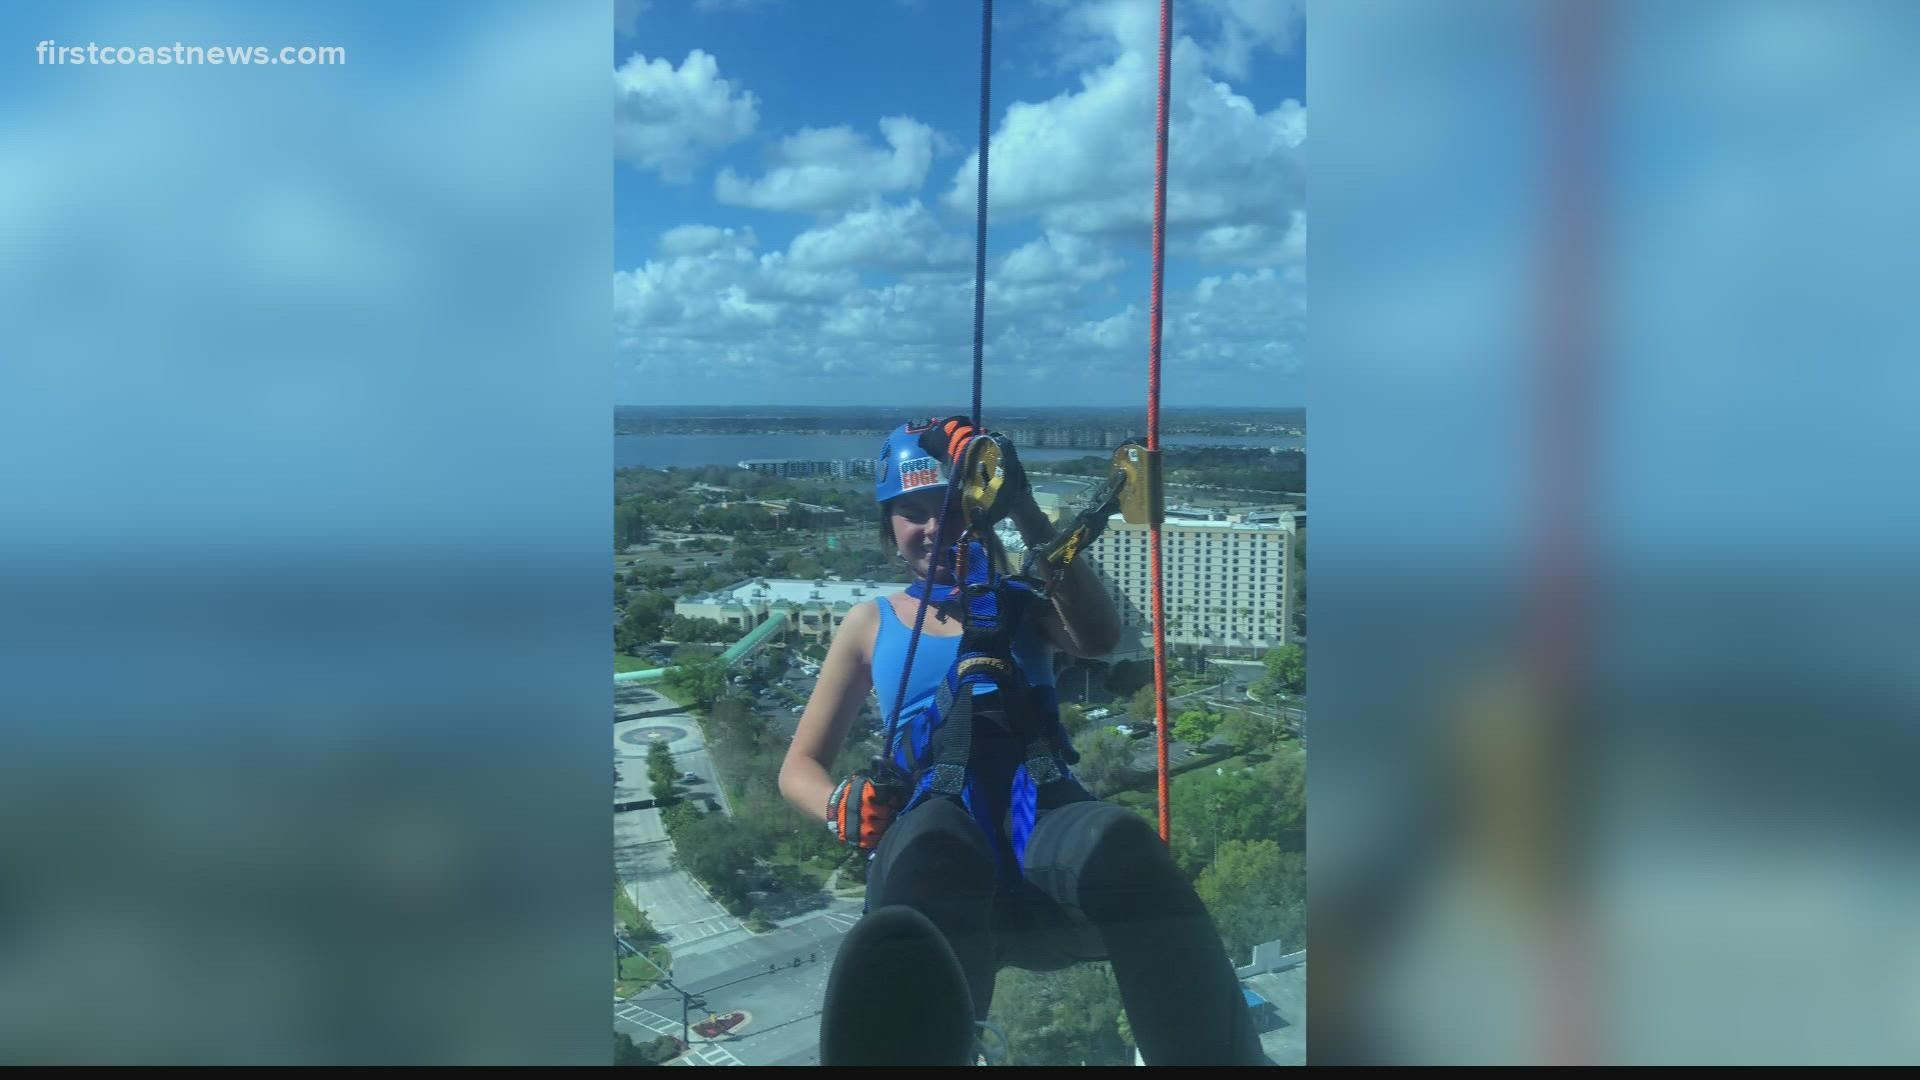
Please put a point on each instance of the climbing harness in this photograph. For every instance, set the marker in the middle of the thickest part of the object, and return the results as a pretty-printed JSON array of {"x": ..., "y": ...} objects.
[{"x": 985, "y": 689}]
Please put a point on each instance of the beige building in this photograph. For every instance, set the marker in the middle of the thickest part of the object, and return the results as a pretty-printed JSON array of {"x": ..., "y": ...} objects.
[
  {"x": 817, "y": 607},
  {"x": 1231, "y": 579}
]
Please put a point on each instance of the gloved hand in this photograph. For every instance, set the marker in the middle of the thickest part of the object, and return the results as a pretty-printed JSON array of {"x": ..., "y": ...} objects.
[
  {"x": 991, "y": 478},
  {"x": 862, "y": 808},
  {"x": 946, "y": 439}
]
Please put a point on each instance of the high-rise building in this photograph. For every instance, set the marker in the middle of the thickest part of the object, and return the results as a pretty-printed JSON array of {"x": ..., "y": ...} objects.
[{"x": 1231, "y": 580}]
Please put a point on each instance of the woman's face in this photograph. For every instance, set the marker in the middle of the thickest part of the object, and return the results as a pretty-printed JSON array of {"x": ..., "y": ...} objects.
[{"x": 915, "y": 518}]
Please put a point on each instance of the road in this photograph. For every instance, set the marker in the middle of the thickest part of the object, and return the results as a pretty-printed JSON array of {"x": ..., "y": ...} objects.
[
  {"x": 678, "y": 907},
  {"x": 713, "y": 954},
  {"x": 754, "y": 974}
]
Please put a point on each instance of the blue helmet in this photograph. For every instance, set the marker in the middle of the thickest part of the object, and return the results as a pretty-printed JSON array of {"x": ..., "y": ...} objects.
[{"x": 905, "y": 465}]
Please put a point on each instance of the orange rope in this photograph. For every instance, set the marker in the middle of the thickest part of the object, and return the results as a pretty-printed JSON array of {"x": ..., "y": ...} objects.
[{"x": 1153, "y": 406}]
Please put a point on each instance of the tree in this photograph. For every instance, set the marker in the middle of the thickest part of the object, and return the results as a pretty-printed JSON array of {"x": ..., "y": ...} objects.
[
  {"x": 646, "y": 614},
  {"x": 717, "y": 850},
  {"x": 1145, "y": 706},
  {"x": 1063, "y": 1017},
  {"x": 1213, "y": 807},
  {"x": 1286, "y": 671},
  {"x": 629, "y": 523},
  {"x": 683, "y": 628},
  {"x": 698, "y": 675},
  {"x": 1241, "y": 731},
  {"x": 1285, "y": 779},
  {"x": 661, "y": 771},
  {"x": 1256, "y": 892},
  {"x": 1073, "y": 718},
  {"x": 1195, "y": 726},
  {"x": 749, "y": 558},
  {"x": 660, "y": 764},
  {"x": 1105, "y": 764},
  {"x": 656, "y": 1051}
]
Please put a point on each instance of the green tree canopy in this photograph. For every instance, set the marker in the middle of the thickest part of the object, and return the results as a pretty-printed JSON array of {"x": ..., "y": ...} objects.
[
  {"x": 1195, "y": 726},
  {"x": 1286, "y": 671},
  {"x": 630, "y": 523},
  {"x": 1072, "y": 1016},
  {"x": 715, "y": 849},
  {"x": 1256, "y": 893},
  {"x": 698, "y": 675},
  {"x": 1105, "y": 764}
]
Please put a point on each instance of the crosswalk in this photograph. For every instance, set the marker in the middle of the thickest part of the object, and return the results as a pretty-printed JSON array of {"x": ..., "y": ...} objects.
[
  {"x": 700, "y": 929},
  {"x": 839, "y": 921},
  {"x": 698, "y": 1054}
]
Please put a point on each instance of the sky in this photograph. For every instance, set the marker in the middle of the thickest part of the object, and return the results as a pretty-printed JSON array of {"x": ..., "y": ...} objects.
[{"x": 795, "y": 198}]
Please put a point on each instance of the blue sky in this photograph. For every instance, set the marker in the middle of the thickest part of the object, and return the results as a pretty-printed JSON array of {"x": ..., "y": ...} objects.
[{"x": 794, "y": 202}]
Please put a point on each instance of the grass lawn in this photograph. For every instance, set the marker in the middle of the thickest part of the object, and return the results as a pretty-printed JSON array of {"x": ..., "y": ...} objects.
[
  {"x": 637, "y": 974},
  {"x": 624, "y": 910},
  {"x": 817, "y": 872},
  {"x": 623, "y": 662}
]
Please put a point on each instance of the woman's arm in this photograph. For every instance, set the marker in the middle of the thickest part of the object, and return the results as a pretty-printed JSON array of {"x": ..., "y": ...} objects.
[
  {"x": 1081, "y": 620},
  {"x": 846, "y": 677}
]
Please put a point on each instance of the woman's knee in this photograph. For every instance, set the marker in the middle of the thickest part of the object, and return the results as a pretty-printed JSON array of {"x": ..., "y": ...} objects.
[
  {"x": 936, "y": 846},
  {"x": 1098, "y": 856},
  {"x": 1074, "y": 835}
]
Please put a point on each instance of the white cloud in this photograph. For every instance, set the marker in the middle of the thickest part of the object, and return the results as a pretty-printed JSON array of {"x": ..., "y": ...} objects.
[
  {"x": 667, "y": 120},
  {"x": 875, "y": 299},
  {"x": 1056, "y": 257},
  {"x": 825, "y": 169},
  {"x": 701, "y": 239},
  {"x": 1257, "y": 244},
  {"x": 898, "y": 238},
  {"x": 1251, "y": 323},
  {"x": 764, "y": 318},
  {"x": 709, "y": 281},
  {"x": 1083, "y": 161},
  {"x": 1116, "y": 333}
]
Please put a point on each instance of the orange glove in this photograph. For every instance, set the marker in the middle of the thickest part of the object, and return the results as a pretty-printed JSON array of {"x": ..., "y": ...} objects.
[
  {"x": 862, "y": 808},
  {"x": 958, "y": 432}
]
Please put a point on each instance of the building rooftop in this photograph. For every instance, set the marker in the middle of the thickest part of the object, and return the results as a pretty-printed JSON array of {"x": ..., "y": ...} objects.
[
  {"x": 1234, "y": 522},
  {"x": 798, "y": 592}
]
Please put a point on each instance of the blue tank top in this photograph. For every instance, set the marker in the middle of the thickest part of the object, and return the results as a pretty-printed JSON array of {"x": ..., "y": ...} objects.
[
  {"x": 932, "y": 658},
  {"x": 1000, "y": 796}
]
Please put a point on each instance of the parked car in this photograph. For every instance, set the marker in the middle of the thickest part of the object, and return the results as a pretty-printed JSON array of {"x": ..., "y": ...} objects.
[{"x": 690, "y": 778}]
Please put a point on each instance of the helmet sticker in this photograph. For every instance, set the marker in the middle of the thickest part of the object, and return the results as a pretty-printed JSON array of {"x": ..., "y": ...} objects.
[{"x": 919, "y": 473}]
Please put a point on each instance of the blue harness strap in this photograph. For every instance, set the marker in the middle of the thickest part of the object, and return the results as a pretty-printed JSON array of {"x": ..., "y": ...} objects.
[{"x": 989, "y": 740}]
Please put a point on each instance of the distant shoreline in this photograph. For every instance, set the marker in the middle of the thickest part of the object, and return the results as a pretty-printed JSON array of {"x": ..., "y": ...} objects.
[{"x": 865, "y": 421}]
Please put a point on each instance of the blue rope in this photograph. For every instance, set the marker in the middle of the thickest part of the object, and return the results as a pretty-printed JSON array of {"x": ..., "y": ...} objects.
[
  {"x": 979, "y": 365},
  {"x": 980, "y": 231},
  {"x": 919, "y": 620}
]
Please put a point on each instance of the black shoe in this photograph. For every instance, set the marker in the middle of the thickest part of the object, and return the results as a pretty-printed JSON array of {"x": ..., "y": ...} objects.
[{"x": 897, "y": 996}]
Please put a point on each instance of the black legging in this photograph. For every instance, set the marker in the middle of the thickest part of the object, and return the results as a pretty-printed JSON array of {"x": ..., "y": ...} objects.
[{"x": 1099, "y": 884}]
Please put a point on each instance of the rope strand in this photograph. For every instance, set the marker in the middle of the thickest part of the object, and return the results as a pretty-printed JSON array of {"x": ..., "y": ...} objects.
[
  {"x": 979, "y": 354},
  {"x": 1153, "y": 406},
  {"x": 980, "y": 200}
]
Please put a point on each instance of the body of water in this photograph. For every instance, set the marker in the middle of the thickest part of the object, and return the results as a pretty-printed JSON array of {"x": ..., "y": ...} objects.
[{"x": 693, "y": 451}]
